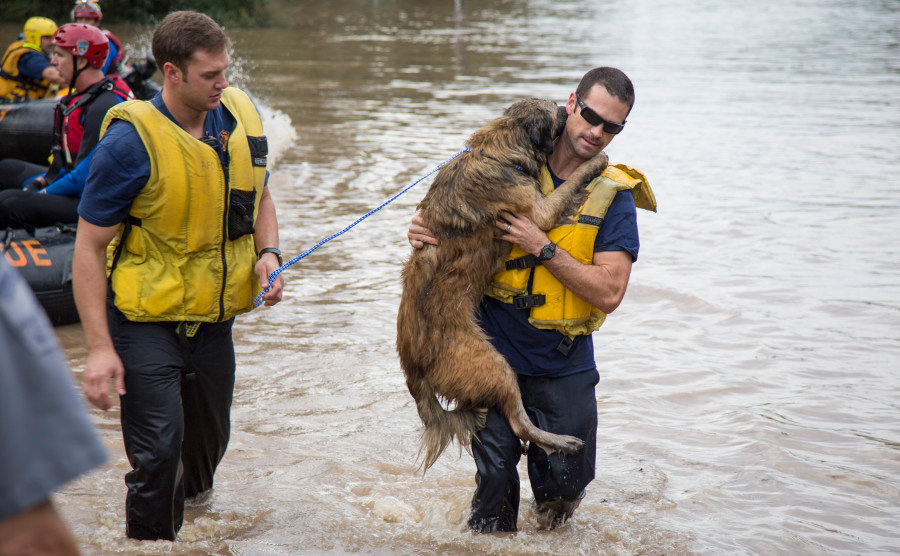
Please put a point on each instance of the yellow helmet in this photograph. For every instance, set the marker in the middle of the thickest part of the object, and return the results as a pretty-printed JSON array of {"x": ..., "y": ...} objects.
[{"x": 37, "y": 27}]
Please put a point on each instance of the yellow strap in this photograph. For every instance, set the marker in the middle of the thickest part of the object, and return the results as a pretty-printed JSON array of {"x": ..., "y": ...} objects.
[{"x": 190, "y": 328}]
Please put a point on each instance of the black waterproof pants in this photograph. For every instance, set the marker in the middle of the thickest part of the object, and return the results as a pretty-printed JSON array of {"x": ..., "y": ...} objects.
[
  {"x": 14, "y": 172},
  {"x": 30, "y": 210},
  {"x": 26, "y": 209},
  {"x": 564, "y": 405},
  {"x": 175, "y": 416}
]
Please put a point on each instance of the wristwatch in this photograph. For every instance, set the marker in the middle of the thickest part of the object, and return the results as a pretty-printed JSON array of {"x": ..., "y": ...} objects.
[
  {"x": 274, "y": 250},
  {"x": 547, "y": 252}
]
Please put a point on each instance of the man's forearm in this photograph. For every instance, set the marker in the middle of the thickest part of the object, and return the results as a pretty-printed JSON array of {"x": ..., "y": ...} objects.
[
  {"x": 89, "y": 287},
  {"x": 266, "y": 234},
  {"x": 602, "y": 284}
]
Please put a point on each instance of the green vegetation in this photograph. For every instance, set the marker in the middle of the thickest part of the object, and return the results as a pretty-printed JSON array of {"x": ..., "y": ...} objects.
[{"x": 226, "y": 12}]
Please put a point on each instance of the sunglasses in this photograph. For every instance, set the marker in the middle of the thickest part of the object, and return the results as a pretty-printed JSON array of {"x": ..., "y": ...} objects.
[{"x": 595, "y": 119}]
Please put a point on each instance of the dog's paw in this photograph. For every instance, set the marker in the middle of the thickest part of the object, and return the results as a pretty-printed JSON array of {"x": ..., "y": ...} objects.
[
  {"x": 597, "y": 164},
  {"x": 561, "y": 443}
]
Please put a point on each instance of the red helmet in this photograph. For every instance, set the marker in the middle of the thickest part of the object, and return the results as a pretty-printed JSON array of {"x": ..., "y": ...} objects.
[
  {"x": 85, "y": 41},
  {"x": 90, "y": 10}
]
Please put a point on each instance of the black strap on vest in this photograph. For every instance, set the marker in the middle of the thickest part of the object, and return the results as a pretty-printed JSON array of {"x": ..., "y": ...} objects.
[
  {"x": 259, "y": 149},
  {"x": 521, "y": 263},
  {"x": 529, "y": 301},
  {"x": 186, "y": 331},
  {"x": 565, "y": 345}
]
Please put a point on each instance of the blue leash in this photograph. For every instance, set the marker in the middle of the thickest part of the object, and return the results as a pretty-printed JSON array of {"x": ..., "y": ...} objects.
[{"x": 257, "y": 301}]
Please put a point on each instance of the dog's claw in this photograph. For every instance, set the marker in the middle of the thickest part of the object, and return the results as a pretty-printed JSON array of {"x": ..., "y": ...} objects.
[{"x": 563, "y": 443}]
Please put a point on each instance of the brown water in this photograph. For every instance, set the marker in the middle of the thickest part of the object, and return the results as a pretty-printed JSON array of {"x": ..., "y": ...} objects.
[{"x": 748, "y": 399}]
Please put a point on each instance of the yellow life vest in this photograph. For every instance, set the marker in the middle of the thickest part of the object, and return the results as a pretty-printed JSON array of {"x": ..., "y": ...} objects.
[
  {"x": 186, "y": 250},
  {"x": 15, "y": 86},
  {"x": 560, "y": 308}
]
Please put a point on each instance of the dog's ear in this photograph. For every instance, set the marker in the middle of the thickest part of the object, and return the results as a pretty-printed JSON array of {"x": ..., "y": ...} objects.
[{"x": 540, "y": 131}]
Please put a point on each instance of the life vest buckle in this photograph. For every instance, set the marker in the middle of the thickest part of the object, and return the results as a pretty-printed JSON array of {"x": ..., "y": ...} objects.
[
  {"x": 521, "y": 263},
  {"x": 529, "y": 301},
  {"x": 565, "y": 345}
]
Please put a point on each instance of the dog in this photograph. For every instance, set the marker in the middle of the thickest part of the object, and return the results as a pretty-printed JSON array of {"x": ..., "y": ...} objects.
[{"x": 446, "y": 357}]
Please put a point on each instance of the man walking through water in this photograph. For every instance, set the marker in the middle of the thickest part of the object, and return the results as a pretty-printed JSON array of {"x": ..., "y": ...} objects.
[
  {"x": 178, "y": 184},
  {"x": 539, "y": 313}
]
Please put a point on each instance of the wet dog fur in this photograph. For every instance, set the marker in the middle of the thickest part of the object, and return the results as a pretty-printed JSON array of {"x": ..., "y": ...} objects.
[{"x": 446, "y": 357}]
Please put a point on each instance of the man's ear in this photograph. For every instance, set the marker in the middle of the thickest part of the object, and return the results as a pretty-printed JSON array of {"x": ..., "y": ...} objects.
[
  {"x": 571, "y": 104},
  {"x": 171, "y": 72}
]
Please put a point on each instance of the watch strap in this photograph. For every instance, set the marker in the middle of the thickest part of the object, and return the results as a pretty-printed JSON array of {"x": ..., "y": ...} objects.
[{"x": 273, "y": 250}]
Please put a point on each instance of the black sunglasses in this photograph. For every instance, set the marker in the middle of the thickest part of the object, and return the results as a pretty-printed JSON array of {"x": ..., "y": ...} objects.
[{"x": 595, "y": 119}]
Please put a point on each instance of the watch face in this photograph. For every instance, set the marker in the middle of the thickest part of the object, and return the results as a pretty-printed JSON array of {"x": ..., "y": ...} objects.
[{"x": 548, "y": 251}]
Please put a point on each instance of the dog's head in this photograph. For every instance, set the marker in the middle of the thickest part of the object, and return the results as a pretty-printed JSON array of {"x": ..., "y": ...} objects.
[{"x": 541, "y": 119}]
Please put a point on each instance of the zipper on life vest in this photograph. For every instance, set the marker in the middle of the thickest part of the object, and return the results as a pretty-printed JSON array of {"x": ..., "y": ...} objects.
[
  {"x": 224, "y": 239},
  {"x": 224, "y": 161}
]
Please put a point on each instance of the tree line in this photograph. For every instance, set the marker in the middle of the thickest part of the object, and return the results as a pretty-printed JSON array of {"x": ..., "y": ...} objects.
[{"x": 226, "y": 12}]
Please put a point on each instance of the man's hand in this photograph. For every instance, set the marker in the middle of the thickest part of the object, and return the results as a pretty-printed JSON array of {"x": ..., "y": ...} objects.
[
  {"x": 419, "y": 235},
  {"x": 103, "y": 366},
  {"x": 520, "y": 230},
  {"x": 265, "y": 266}
]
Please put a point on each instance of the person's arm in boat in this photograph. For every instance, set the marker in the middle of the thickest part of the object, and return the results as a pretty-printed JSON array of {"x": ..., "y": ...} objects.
[{"x": 71, "y": 183}]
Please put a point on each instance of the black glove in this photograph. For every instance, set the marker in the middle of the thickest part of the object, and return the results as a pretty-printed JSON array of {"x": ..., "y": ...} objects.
[{"x": 34, "y": 185}]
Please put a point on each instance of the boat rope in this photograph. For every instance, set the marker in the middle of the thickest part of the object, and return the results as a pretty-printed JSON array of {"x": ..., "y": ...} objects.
[{"x": 257, "y": 301}]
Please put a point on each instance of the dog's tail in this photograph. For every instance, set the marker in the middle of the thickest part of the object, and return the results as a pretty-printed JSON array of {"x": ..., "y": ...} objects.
[{"x": 442, "y": 425}]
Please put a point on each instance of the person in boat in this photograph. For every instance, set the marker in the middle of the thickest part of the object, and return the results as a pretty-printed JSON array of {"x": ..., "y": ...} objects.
[
  {"x": 51, "y": 195},
  {"x": 25, "y": 70},
  {"x": 541, "y": 310},
  {"x": 178, "y": 184},
  {"x": 89, "y": 13}
]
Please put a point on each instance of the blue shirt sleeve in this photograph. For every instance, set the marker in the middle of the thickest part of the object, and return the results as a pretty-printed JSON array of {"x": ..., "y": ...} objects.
[
  {"x": 33, "y": 64},
  {"x": 71, "y": 184},
  {"x": 113, "y": 52},
  {"x": 619, "y": 230},
  {"x": 119, "y": 169}
]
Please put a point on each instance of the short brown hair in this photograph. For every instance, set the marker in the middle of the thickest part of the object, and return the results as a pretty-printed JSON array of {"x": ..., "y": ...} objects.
[
  {"x": 181, "y": 34},
  {"x": 613, "y": 80}
]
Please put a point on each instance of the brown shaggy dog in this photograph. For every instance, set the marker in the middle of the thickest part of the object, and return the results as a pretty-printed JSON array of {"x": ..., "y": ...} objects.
[{"x": 445, "y": 355}]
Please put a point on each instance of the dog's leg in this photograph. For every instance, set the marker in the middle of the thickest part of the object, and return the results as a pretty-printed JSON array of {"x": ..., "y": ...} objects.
[
  {"x": 490, "y": 381},
  {"x": 547, "y": 210}
]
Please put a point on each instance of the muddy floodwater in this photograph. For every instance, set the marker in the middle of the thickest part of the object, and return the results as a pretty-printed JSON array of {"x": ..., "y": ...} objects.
[{"x": 748, "y": 397}]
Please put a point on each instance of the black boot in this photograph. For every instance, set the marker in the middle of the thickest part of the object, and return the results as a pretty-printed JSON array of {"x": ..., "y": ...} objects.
[{"x": 555, "y": 512}]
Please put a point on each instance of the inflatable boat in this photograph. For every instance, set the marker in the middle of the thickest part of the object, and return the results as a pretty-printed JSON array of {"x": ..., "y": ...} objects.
[
  {"x": 44, "y": 258},
  {"x": 26, "y": 128}
]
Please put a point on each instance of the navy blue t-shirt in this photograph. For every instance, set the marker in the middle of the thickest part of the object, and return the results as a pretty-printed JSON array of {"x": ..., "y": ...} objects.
[
  {"x": 121, "y": 165},
  {"x": 33, "y": 64},
  {"x": 533, "y": 351}
]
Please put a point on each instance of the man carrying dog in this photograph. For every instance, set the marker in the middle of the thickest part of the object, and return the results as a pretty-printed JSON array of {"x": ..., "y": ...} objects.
[
  {"x": 539, "y": 312},
  {"x": 178, "y": 184}
]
